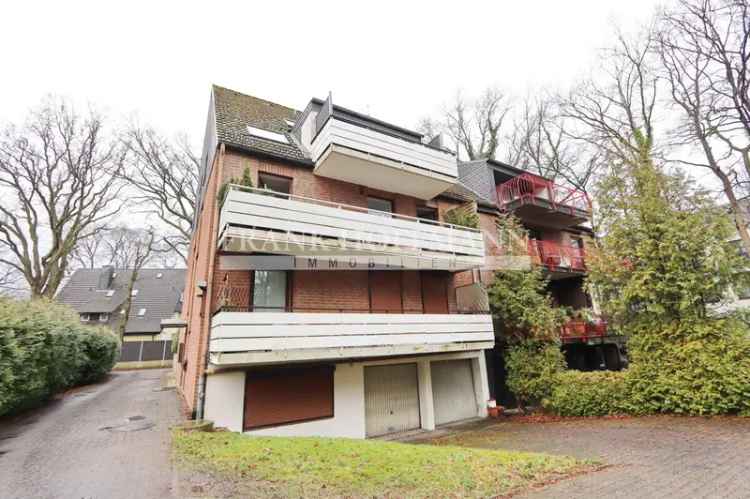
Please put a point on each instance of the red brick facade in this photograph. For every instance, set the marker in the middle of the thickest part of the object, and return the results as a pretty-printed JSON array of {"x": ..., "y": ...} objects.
[{"x": 313, "y": 291}]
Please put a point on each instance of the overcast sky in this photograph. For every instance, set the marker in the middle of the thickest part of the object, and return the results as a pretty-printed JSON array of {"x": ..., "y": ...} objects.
[{"x": 395, "y": 60}]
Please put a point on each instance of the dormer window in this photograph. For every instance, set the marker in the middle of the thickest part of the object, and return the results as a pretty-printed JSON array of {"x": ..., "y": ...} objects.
[
  {"x": 134, "y": 292},
  {"x": 141, "y": 312},
  {"x": 267, "y": 134},
  {"x": 159, "y": 275},
  {"x": 110, "y": 293},
  {"x": 85, "y": 317}
]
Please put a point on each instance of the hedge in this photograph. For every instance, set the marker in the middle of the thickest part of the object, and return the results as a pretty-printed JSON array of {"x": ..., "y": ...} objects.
[
  {"x": 598, "y": 393},
  {"x": 533, "y": 368},
  {"x": 44, "y": 349},
  {"x": 692, "y": 368}
]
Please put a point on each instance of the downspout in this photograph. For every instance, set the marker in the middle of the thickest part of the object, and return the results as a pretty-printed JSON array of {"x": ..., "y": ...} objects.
[{"x": 209, "y": 281}]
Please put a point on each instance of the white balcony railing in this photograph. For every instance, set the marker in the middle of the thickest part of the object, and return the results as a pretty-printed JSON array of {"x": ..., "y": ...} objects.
[
  {"x": 263, "y": 338},
  {"x": 365, "y": 156},
  {"x": 256, "y": 220}
]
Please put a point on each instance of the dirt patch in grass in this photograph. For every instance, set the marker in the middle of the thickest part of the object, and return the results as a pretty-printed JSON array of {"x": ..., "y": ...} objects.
[{"x": 232, "y": 464}]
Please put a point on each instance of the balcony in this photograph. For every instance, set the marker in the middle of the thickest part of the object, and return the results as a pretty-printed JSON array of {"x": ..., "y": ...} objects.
[
  {"x": 556, "y": 257},
  {"x": 542, "y": 202},
  {"x": 251, "y": 338},
  {"x": 366, "y": 155},
  {"x": 582, "y": 330},
  {"x": 258, "y": 220}
]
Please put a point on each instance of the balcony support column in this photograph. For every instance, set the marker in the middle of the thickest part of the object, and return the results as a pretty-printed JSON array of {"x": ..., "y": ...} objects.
[
  {"x": 481, "y": 385},
  {"x": 426, "y": 404}
]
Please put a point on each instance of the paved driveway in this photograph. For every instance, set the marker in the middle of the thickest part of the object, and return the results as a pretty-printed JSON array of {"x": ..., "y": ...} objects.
[
  {"x": 654, "y": 457},
  {"x": 108, "y": 441}
]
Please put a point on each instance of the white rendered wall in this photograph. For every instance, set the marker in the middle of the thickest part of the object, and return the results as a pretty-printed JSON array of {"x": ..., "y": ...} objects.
[{"x": 225, "y": 396}]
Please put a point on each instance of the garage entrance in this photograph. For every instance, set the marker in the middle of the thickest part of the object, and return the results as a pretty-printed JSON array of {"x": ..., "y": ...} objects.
[
  {"x": 453, "y": 390},
  {"x": 391, "y": 399}
]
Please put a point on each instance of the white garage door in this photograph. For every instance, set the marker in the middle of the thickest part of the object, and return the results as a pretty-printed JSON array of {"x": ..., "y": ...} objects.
[
  {"x": 453, "y": 390},
  {"x": 391, "y": 399}
]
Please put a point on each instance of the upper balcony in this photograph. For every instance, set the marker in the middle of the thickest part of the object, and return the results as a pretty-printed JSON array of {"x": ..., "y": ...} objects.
[
  {"x": 358, "y": 149},
  {"x": 263, "y": 221},
  {"x": 557, "y": 258},
  {"x": 542, "y": 202}
]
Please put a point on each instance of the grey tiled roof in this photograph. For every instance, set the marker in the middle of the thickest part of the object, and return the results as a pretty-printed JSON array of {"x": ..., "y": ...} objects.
[
  {"x": 463, "y": 192},
  {"x": 235, "y": 111},
  {"x": 159, "y": 296}
]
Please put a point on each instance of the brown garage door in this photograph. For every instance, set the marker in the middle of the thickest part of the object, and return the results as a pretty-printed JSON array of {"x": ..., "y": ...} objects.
[{"x": 281, "y": 396}]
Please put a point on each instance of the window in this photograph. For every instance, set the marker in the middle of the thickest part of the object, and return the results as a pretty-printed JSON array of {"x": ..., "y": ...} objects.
[
  {"x": 141, "y": 312},
  {"x": 159, "y": 275},
  {"x": 267, "y": 134},
  {"x": 85, "y": 317},
  {"x": 275, "y": 183},
  {"x": 269, "y": 291},
  {"x": 134, "y": 292},
  {"x": 110, "y": 293},
  {"x": 378, "y": 205},
  {"x": 103, "y": 317},
  {"x": 576, "y": 242},
  {"x": 279, "y": 396},
  {"x": 427, "y": 213}
]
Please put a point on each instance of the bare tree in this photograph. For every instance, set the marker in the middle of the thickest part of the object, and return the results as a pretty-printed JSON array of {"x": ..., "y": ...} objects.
[
  {"x": 89, "y": 252},
  {"x": 165, "y": 175},
  {"x": 58, "y": 180},
  {"x": 541, "y": 141},
  {"x": 615, "y": 114},
  {"x": 130, "y": 249},
  {"x": 704, "y": 53},
  {"x": 474, "y": 125}
]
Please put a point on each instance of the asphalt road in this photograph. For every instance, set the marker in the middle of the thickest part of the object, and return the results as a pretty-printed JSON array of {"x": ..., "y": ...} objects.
[{"x": 108, "y": 441}]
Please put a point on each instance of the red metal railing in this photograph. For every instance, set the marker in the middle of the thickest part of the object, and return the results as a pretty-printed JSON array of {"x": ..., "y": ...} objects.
[
  {"x": 556, "y": 256},
  {"x": 578, "y": 329},
  {"x": 528, "y": 188}
]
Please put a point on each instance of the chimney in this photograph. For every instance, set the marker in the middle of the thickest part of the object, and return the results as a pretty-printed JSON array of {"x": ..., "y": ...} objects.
[{"x": 105, "y": 277}]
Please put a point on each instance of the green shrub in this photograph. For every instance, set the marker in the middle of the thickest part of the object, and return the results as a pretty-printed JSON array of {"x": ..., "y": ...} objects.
[
  {"x": 533, "y": 368},
  {"x": 598, "y": 393},
  {"x": 246, "y": 180},
  {"x": 688, "y": 367},
  {"x": 464, "y": 216},
  {"x": 45, "y": 349}
]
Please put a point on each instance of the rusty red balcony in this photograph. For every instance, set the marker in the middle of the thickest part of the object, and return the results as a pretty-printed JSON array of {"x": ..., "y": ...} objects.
[
  {"x": 543, "y": 202},
  {"x": 557, "y": 257},
  {"x": 583, "y": 330}
]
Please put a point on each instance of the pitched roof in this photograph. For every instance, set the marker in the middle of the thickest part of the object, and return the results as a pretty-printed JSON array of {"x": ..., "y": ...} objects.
[
  {"x": 235, "y": 111},
  {"x": 160, "y": 296}
]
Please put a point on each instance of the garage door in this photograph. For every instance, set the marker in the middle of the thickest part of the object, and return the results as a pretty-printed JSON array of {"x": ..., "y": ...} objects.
[
  {"x": 391, "y": 399},
  {"x": 453, "y": 390}
]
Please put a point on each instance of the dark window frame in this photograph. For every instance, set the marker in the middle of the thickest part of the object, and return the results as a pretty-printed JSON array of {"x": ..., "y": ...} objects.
[
  {"x": 378, "y": 198},
  {"x": 284, "y": 178}
]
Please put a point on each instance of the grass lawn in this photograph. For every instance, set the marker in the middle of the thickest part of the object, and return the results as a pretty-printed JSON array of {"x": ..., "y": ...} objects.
[{"x": 335, "y": 467}]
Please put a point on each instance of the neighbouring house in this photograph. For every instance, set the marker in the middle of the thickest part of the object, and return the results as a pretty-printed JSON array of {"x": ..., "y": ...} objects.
[
  {"x": 331, "y": 298},
  {"x": 557, "y": 218},
  {"x": 99, "y": 296}
]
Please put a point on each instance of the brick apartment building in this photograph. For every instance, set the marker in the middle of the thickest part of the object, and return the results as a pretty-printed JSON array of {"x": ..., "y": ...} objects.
[{"x": 331, "y": 298}]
